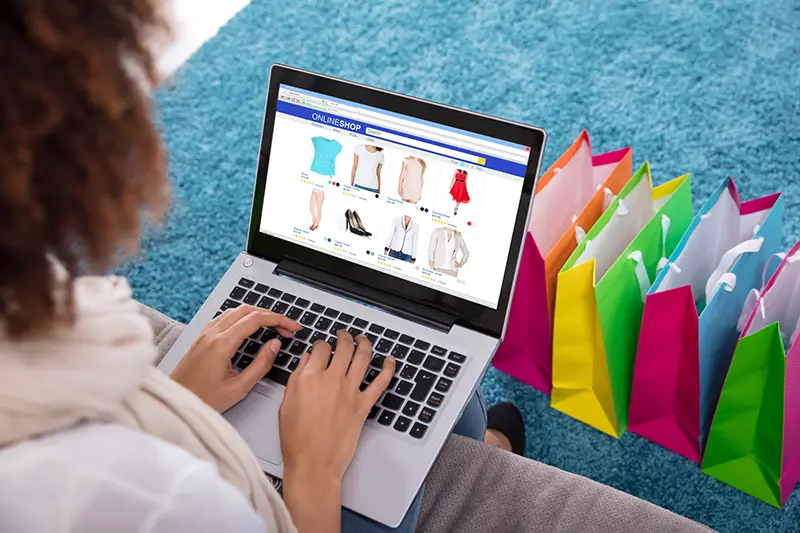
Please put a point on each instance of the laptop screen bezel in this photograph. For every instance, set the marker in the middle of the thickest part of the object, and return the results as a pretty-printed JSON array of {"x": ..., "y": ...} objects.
[{"x": 468, "y": 314}]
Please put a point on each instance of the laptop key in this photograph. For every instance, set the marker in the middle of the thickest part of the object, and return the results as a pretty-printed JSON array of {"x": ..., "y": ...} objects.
[
  {"x": 404, "y": 388},
  {"x": 408, "y": 372},
  {"x": 244, "y": 282},
  {"x": 422, "y": 345},
  {"x": 257, "y": 334},
  {"x": 418, "y": 430},
  {"x": 251, "y": 298},
  {"x": 435, "y": 400},
  {"x": 443, "y": 385},
  {"x": 406, "y": 339},
  {"x": 217, "y": 314},
  {"x": 298, "y": 348},
  {"x": 294, "y": 313},
  {"x": 416, "y": 357},
  {"x": 317, "y": 308},
  {"x": 377, "y": 329},
  {"x": 238, "y": 293},
  {"x": 344, "y": 317},
  {"x": 308, "y": 319},
  {"x": 438, "y": 350},
  {"x": 303, "y": 334},
  {"x": 410, "y": 408},
  {"x": 397, "y": 367},
  {"x": 244, "y": 361},
  {"x": 457, "y": 357},
  {"x": 229, "y": 304},
  {"x": 400, "y": 351},
  {"x": 386, "y": 418},
  {"x": 265, "y": 302},
  {"x": 282, "y": 359},
  {"x": 372, "y": 373},
  {"x": 288, "y": 298},
  {"x": 402, "y": 424},
  {"x": 392, "y": 401},
  {"x": 278, "y": 375},
  {"x": 360, "y": 323},
  {"x": 275, "y": 293},
  {"x": 280, "y": 307},
  {"x": 392, "y": 383},
  {"x": 391, "y": 334},
  {"x": 373, "y": 412},
  {"x": 323, "y": 323},
  {"x": 338, "y": 326},
  {"x": 286, "y": 342},
  {"x": 384, "y": 346},
  {"x": 302, "y": 302},
  {"x": 293, "y": 364},
  {"x": 355, "y": 332},
  {"x": 377, "y": 361},
  {"x": 451, "y": 370},
  {"x": 434, "y": 363},
  {"x": 268, "y": 335},
  {"x": 331, "y": 313},
  {"x": 372, "y": 338},
  {"x": 363, "y": 386},
  {"x": 252, "y": 348},
  {"x": 332, "y": 341},
  {"x": 427, "y": 415},
  {"x": 424, "y": 384},
  {"x": 260, "y": 287},
  {"x": 318, "y": 336}
]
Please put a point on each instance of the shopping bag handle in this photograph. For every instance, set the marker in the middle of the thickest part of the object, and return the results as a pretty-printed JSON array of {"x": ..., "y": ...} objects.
[
  {"x": 639, "y": 269},
  {"x": 722, "y": 275},
  {"x": 608, "y": 199},
  {"x": 756, "y": 296}
]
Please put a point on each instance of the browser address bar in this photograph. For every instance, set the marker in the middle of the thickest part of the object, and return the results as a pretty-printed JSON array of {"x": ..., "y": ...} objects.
[{"x": 424, "y": 146}]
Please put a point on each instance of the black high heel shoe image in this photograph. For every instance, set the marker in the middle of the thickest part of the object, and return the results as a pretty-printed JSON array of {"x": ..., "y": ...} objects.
[
  {"x": 350, "y": 224},
  {"x": 360, "y": 225}
]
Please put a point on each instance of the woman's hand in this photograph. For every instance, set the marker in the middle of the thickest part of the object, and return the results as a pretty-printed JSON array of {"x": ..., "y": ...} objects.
[
  {"x": 321, "y": 418},
  {"x": 206, "y": 368}
]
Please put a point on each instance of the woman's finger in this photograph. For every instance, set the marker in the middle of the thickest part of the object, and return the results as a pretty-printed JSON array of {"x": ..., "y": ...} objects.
[
  {"x": 230, "y": 317},
  {"x": 360, "y": 362},
  {"x": 344, "y": 351},
  {"x": 379, "y": 385},
  {"x": 299, "y": 370},
  {"x": 320, "y": 356},
  {"x": 247, "y": 378},
  {"x": 257, "y": 318}
]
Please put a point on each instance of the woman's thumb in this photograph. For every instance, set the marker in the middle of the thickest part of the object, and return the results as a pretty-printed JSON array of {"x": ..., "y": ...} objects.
[{"x": 262, "y": 363}]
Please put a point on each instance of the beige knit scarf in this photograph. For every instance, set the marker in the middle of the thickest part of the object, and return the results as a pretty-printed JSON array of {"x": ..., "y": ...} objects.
[{"x": 100, "y": 369}]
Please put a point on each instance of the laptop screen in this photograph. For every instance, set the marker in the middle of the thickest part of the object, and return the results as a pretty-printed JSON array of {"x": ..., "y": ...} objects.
[{"x": 410, "y": 198}]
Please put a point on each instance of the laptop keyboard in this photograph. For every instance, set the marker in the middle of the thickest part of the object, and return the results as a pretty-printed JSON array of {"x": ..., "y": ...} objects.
[{"x": 425, "y": 373}]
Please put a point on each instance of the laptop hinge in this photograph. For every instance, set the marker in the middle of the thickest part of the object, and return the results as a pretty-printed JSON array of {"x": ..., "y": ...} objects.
[{"x": 396, "y": 305}]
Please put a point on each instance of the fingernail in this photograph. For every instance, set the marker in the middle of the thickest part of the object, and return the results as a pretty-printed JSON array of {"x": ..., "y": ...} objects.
[
  {"x": 274, "y": 345},
  {"x": 392, "y": 359}
]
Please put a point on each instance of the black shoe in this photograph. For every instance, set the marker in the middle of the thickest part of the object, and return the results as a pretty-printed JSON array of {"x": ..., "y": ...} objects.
[
  {"x": 360, "y": 225},
  {"x": 350, "y": 224},
  {"x": 506, "y": 418}
]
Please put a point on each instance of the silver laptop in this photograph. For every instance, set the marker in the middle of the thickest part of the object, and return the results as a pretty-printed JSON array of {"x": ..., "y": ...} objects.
[{"x": 389, "y": 216}]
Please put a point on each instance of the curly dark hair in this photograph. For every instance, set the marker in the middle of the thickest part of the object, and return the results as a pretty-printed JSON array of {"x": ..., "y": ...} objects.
[{"x": 81, "y": 160}]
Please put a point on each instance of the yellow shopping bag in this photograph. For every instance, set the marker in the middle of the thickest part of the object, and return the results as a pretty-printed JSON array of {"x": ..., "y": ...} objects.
[{"x": 600, "y": 299}]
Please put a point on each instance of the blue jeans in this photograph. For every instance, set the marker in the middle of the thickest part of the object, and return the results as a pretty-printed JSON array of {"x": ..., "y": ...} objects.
[
  {"x": 400, "y": 255},
  {"x": 472, "y": 424},
  {"x": 357, "y": 186}
]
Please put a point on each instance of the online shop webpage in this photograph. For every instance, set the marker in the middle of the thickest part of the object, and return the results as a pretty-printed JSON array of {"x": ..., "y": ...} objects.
[{"x": 416, "y": 200}]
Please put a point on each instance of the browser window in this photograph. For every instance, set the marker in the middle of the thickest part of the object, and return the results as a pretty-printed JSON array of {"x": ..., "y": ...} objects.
[{"x": 414, "y": 199}]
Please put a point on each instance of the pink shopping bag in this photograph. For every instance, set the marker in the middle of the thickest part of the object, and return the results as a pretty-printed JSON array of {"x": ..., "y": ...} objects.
[{"x": 570, "y": 197}]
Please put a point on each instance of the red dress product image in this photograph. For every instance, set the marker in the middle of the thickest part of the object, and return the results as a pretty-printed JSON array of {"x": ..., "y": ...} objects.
[{"x": 459, "y": 189}]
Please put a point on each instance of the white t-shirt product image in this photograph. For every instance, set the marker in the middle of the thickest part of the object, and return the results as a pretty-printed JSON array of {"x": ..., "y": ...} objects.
[{"x": 367, "y": 170}]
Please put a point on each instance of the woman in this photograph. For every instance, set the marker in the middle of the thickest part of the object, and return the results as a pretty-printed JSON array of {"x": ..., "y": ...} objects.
[
  {"x": 92, "y": 436},
  {"x": 458, "y": 189},
  {"x": 367, "y": 165}
]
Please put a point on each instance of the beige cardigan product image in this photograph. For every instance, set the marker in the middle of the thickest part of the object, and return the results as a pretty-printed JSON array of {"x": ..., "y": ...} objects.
[
  {"x": 412, "y": 178},
  {"x": 438, "y": 250},
  {"x": 97, "y": 376}
]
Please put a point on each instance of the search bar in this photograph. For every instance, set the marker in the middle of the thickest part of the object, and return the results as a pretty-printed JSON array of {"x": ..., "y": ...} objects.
[{"x": 391, "y": 137}]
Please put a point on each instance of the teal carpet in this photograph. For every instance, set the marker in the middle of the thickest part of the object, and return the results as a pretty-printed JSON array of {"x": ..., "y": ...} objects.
[{"x": 707, "y": 87}]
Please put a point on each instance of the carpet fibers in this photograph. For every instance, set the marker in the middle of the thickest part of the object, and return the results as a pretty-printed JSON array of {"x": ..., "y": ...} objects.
[{"x": 707, "y": 87}]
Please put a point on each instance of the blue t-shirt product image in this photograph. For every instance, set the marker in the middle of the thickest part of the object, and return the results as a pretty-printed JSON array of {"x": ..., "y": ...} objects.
[{"x": 325, "y": 152}]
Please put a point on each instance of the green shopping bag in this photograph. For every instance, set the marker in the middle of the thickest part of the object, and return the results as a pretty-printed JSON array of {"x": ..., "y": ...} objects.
[
  {"x": 600, "y": 299},
  {"x": 754, "y": 442}
]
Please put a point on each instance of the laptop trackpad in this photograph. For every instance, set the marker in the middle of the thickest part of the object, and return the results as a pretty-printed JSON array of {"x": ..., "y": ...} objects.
[{"x": 256, "y": 419}]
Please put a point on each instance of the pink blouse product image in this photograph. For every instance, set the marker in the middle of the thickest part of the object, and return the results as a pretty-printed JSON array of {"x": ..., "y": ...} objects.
[{"x": 412, "y": 178}]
